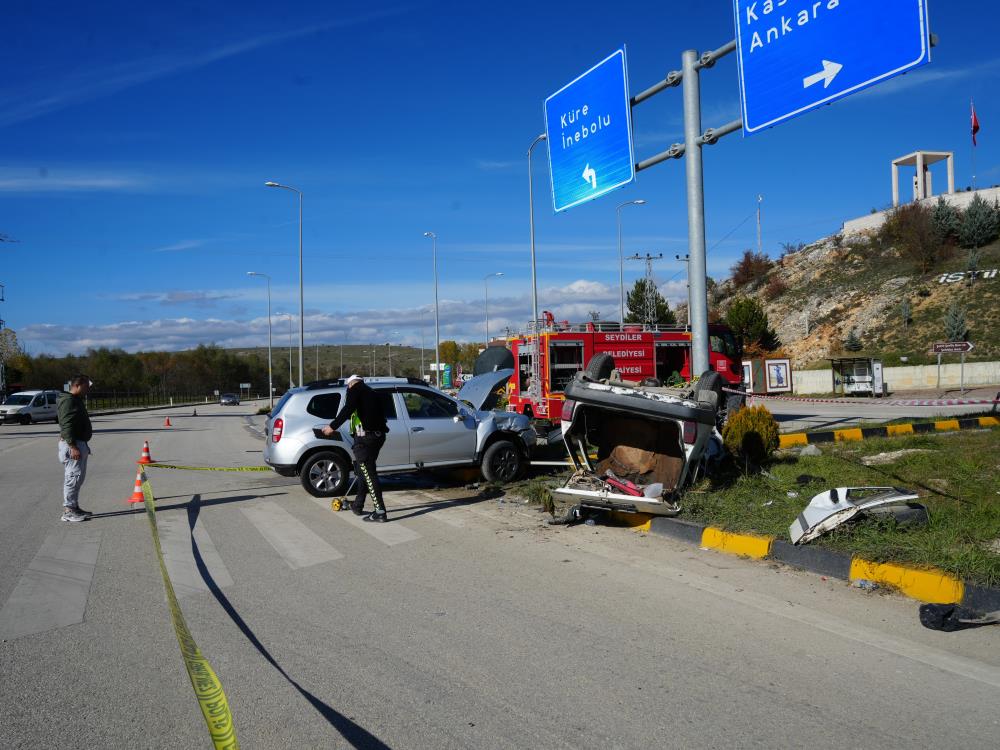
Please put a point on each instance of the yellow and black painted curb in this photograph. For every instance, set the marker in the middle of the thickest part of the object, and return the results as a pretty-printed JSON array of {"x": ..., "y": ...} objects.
[
  {"x": 207, "y": 687},
  {"x": 793, "y": 439},
  {"x": 924, "y": 584}
]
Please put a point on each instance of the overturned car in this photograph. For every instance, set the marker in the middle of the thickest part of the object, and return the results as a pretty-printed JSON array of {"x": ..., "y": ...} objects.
[{"x": 651, "y": 442}]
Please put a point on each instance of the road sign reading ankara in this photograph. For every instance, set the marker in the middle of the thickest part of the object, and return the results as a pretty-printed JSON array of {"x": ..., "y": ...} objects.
[
  {"x": 795, "y": 55},
  {"x": 588, "y": 125}
]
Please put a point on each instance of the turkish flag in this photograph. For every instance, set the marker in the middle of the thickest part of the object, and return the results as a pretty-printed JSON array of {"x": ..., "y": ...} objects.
[{"x": 975, "y": 123}]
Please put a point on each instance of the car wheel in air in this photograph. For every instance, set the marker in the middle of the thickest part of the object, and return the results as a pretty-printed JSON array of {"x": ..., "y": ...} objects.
[
  {"x": 502, "y": 462},
  {"x": 600, "y": 366},
  {"x": 325, "y": 474}
]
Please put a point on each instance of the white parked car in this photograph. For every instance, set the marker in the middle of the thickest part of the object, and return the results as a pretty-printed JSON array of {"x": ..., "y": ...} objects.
[{"x": 26, "y": 407}]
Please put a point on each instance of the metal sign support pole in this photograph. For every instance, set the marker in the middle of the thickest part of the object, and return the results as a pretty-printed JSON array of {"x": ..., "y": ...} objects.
[{"x": 698, "y": 313}]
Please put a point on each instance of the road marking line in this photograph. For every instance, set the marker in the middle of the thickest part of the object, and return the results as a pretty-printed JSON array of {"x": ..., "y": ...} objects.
[
  {"x": 175, "y": 538},
  {"x": 52, "y": 592},
  {"x": 390, "y": 534},
  {"x": 298, "y": 545}
]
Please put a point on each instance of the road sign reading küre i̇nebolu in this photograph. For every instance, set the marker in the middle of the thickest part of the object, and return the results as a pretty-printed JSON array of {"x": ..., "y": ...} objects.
[{"x": 588, "y": 125}]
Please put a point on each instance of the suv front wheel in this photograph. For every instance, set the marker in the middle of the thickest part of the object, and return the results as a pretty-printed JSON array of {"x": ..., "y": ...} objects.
[
  {"x": 325, "y": 474},
  {"x": 502, "y": 462}
]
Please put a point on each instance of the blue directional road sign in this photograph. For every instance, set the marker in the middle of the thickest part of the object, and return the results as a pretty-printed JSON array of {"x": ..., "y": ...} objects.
[
  {"x": 588, "y": 124},
  {"x": 795, "y": 55}
]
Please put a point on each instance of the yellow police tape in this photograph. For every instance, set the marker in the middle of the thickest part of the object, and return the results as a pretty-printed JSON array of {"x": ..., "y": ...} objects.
[
  {"x": 207, "y": 688},
  {"x": 156, "y": 465}
]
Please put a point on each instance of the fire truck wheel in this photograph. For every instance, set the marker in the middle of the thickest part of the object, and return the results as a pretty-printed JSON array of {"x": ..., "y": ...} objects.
[
  {"x": 502, "y": 462},
  {"x": 711, "y": 381},
  {"x": 600, "y": 366}
]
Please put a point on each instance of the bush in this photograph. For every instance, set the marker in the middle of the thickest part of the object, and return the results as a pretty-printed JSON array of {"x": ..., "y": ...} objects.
[
  {"x": 775, "y": 288},
  {"x": 947, "y": 221},
  {"x": 979, "y": 224},
  {"x": 910, "y": 229},
  {"x": 751, "y": 267},
  {"x": 752, "y": 433},
  {"x": 748, "y": 320}
]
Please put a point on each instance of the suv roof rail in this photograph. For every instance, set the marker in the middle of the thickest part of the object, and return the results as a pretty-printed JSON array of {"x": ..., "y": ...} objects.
[{"x": 317, "y": 384}]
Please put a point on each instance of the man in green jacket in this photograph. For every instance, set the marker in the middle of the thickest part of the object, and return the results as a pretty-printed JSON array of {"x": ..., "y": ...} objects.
[{"x": 74, "y": 438}]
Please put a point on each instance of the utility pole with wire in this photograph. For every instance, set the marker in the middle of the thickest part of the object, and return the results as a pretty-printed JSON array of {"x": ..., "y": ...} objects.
[
  {"x": 759, "y": 199},
  {"x": 649, "y": 301}
]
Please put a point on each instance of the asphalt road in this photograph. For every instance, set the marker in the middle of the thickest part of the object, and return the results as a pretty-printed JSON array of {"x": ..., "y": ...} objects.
[
  {"x": 795, "y": 416},
  {"x": 462, "y": 623}
]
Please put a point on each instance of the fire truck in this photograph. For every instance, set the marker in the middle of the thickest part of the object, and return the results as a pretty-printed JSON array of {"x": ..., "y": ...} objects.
[{"x": 639, "y": 352}]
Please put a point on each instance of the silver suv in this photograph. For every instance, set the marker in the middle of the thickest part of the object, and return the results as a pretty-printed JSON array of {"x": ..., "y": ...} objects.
[{"x": 427, "y": 429}]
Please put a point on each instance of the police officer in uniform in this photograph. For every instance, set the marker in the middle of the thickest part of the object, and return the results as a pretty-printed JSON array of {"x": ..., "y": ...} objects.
[{"x": 363, "y": 407}]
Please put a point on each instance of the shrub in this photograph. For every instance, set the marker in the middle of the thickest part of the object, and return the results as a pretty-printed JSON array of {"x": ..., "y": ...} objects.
[
  {"x": 910, "y": 229},
  {"x": 775, "y": 288},
  {"x": 947, "y": 221},
  {"x": 751, "y": 432},
  {"x": 979, "y": 224},
  {"x": 748, "y": 320},
  {"x": 751, "y": 267}
]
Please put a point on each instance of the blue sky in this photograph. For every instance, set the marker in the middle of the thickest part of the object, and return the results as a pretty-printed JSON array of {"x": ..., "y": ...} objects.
[{"x": 135, "y": 140}]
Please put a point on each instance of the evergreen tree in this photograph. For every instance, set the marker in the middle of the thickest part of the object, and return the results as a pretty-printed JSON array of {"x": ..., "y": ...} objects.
[
  {"x": 635, "y": 306},
  {"x": 746, "y": 317},
  {"x": 947, "y": 221},
  {"x": 906, "y": 312},
  {"x": 954, "y": 323},
  {"x": 979, "y": 224},
  {"x": 853, "y": 342}
]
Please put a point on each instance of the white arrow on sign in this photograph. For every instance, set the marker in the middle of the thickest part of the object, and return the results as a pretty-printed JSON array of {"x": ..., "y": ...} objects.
[
  {"x": 590, "y": 176},
  {"x": 829, "y": 72}
]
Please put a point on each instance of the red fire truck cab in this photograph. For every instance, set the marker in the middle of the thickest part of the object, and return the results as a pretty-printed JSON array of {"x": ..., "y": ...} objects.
[{"x": 639, "y": 352}]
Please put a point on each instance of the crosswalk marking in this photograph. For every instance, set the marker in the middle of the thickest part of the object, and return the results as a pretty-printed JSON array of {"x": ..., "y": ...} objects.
[
  {"x": 298, "y": 546},
  {"x": 52, "y": 592},
  {"x": 175, "y": 539},
  {"x": 390, "y": 534}
]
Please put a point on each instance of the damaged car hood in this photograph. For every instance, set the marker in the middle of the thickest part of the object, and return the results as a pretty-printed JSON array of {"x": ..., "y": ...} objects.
[
  {"x": 830, "y": 509},
  {"x": 484, "y": 391}
]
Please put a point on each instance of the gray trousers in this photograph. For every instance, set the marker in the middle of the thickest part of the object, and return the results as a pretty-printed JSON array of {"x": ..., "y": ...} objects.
[{"x": 74, "y": 472}]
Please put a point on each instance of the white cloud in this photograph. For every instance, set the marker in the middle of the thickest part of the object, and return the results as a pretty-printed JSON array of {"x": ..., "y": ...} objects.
[
  {"x": 460, "y": 319},
  {"x": 47, "y": 181}
]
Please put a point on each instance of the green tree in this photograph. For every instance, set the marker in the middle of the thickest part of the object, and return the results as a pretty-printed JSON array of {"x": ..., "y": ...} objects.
[
  {"x": 906, "y": 312},
  {"x": 946, "y": 220},
  {"x": 979, "y": 224},
  {"x": 635, "y": 306},
  {"x": 853, "y": 342},
  {"x": 955, "y": 327},
  {"x": 449, "y": 352},
  {"x": 748, "y": 320}
]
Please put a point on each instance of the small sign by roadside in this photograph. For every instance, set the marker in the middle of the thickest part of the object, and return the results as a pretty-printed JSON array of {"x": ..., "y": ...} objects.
[{"x": 951, "y": 347}]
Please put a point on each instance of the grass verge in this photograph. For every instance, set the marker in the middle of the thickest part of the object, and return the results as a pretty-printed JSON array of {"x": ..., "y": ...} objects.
[{"x": 956, "y": 477}]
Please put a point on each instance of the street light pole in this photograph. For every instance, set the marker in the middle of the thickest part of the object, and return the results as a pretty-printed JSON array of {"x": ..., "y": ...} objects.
[
  {"x": 302, "y": 318},
  {"x": 270, "y": 379},
  {"x": 531, "y": 228},
  {"x": 291, "y": 383},
  {"x": 437, "y": 322},
  {"x": 486, "y": 302},
  {"x": 621, "y": 259}
]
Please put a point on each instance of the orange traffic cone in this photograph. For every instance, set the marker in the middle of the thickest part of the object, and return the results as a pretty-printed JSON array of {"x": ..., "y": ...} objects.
[
  {"x": 137, "y": 496},
  {"x": 145, "y": 458},
  {"x": 166, "y": 422}
]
